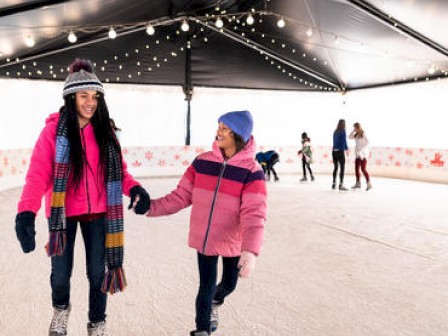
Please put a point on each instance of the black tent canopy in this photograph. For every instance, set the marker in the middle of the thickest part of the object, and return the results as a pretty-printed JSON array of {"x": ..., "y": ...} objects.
[{"x": 312, "y": 45}]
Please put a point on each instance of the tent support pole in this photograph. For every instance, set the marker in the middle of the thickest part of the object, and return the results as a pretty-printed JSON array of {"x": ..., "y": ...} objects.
[{"x": 188, "y": 91}]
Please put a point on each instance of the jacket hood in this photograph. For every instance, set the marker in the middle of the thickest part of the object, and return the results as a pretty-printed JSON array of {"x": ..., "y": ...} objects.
[
  {"x": 52, "y": 118},
  {"x": 248, "y": 152}
]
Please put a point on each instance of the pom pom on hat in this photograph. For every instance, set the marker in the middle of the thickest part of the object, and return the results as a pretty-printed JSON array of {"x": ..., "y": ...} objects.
[
  {"x": 240, "y": 122},
  {"x": 81, "y": 77}
]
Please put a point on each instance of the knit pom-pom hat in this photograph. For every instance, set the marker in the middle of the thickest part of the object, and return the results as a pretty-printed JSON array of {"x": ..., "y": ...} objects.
[
  {"x": 240, "y": 122},
  {"x": 81, "y": 77}
]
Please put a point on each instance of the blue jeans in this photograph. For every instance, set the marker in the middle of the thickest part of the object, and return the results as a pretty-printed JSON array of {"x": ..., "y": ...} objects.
[
  {"x": 93, "y": 233},
  {"x": 208, "y": 291}
]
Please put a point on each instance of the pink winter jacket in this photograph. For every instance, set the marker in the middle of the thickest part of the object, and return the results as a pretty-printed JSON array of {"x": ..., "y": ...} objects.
[
  {"x": 88, "y": 198},
  {"x": 229, "y": 202}
]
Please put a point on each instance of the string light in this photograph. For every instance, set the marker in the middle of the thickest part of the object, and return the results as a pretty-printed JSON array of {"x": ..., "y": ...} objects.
[
  {"x": 185, "y": 26},
  {"x": 112, "y": 33},
  {"x": 250, "y": 19},
  {"x": 219, "y": 23},
  {"x": 150, "y": 29},
  {"x": 309, "y": 32},
  {"x": 72, "y": 37},
  {"x": 29, "y": 41},
  {"x": 281, "y": 23}
]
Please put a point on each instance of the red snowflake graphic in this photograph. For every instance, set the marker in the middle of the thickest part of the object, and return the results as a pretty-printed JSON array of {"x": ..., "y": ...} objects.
[
  {"x": 419, "y": 165},
  {"x": 136, "y": 163},
  {"x": 149, "y": 155},
  {"x": 161, "y": 163},
  {"x": 437, "y": 162},
  {"x": 176, "y": 157},
  {"x": 398, "y": 164},
  {"x": 185, "y": 163}
]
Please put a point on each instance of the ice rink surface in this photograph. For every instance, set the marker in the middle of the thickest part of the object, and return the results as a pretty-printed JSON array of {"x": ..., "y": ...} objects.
[{"x": 334, "y": 263}]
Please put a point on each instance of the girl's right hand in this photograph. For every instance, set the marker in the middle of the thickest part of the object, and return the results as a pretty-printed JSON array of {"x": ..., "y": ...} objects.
[{"x": 246, "y": 264}]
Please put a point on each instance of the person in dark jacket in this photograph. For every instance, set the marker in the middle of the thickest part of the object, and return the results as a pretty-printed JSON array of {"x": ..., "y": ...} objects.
[
  {"x": 338, "y": 153},
  {"x": 268, "y": 160}
]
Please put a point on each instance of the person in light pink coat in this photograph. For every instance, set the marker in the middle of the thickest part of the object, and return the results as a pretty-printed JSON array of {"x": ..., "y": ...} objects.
[{"x": 226, "y": 188}]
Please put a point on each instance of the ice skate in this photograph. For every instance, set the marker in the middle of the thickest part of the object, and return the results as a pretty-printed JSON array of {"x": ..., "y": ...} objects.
[
  {"x": 214, "y": 317},
  {"x": 59, "y": 322},
  {"x": 341, "y": 187},
  {"x": 357, "y": 185},
  {"x": 312, "y": 178},
  {"x": 369, "y": 186},
  {"x": 199, "y": 333},
  {"x": 97, "y": 329},
  {"x": 333, "y": 186},
  {"x": 304, "y": 179}
]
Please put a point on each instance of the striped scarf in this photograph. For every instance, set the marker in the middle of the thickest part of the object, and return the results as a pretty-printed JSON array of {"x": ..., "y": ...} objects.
[{"x": 114, "y": 279}]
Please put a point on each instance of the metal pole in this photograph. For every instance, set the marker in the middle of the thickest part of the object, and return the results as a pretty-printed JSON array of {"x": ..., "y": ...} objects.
[{"x": 188, "y": 90}]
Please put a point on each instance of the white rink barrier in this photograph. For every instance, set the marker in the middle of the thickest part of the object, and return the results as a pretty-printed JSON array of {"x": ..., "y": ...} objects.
[{"x": 422, "y": 164}]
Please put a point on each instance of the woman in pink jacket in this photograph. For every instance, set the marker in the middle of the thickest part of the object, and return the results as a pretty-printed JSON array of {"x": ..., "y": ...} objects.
[
  {"x": 78, "y": 166},
  {"x": 227, "y": 190}
]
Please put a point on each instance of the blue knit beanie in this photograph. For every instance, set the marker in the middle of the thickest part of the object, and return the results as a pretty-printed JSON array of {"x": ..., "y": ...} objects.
[{"x": 240, "y": 122}]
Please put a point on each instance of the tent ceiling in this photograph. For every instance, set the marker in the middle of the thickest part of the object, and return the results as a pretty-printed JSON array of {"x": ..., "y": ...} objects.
[{"x": 325, "y": 45}]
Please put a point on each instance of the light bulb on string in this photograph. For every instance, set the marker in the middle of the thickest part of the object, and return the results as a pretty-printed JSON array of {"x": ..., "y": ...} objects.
[
  {"x": 219, "y": 23},
  {"x": 150, "y": 29},
  {"x": 250, "y": 19},
  {"x": 72, "y": 37},
  {"x": 185, "y": 26},
  {"x": 29, "y": 41},
  {"x": 281, "y": 23},
  {"x": 112, "y": 33},
  {"x": 309, "y": 32}
]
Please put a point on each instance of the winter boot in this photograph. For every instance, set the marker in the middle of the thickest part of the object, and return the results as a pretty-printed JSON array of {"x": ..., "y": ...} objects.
[
  {"x": 214, "y": 317},
  {"x": 304, "y": 179},
  {"x": 369, "y": 186},
  {"x": 357, "y": 185},
  {"x": 59, "y": 322},
  {"x": 199, "y": 333},
  {"x": 341, "y": 187},
  {"x": 333, "y": 186},
  {"x": 97, "y": 329},
  {"x": 276, "y": 178}
]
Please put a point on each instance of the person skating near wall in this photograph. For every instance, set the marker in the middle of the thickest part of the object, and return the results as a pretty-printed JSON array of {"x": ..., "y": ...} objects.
[
  {"x": 362, "y": 153},
  {"x": 338, "y": 154},
  {"x": 307, "y": 157},
  {"x": 77, "y": 164},
  {"x": 268, "y": 160},
  {"x": 227, "y": 190}
]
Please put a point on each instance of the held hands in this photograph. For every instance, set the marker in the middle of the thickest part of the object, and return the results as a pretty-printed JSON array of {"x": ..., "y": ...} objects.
[
  {"x": 25, "y": 230},
  {"x": 140, "y": 200},
  {"x": 246, "y": 264}
]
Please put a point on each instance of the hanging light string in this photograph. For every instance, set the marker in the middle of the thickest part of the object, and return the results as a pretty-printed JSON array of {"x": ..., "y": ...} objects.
[{"x": 243, "y": 28}]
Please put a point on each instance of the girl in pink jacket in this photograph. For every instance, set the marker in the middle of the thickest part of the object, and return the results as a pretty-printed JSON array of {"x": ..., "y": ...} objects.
[
  {"x": 77, "y": 164},
  {"x": 227, "y": 190}
]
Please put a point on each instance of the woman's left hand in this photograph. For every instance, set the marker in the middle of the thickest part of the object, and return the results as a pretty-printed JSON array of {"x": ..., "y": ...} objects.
[{"x": 140, "y": 200}]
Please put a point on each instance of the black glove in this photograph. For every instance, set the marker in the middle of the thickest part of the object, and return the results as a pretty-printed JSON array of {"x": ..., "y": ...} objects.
[
  {"x": 25, "y": 230},
  {"x": 143, "y": 204}
]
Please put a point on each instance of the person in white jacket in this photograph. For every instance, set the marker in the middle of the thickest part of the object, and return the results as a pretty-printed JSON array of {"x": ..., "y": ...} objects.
[{"x": 362, "y": 153}]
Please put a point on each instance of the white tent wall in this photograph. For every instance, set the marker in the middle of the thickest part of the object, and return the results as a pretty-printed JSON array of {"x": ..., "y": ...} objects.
[
  {"x": 405, "y": 124},
  {"x": 411, "y": 115}
]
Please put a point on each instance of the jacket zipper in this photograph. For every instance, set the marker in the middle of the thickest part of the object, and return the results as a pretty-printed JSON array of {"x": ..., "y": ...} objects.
[
  {"x": 85, "y": 174},
  {"x": 221, "y": 173}
]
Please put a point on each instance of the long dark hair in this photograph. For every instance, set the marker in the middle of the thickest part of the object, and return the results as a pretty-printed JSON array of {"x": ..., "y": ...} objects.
[
  {"x": 239, "y": 142},
  {"x": 104, "y": 134},
  {"x": 341, "y": 125}
]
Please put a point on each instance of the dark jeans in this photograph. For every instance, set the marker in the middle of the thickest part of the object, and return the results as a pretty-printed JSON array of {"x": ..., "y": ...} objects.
[
  {"x": 360, "y": 164},
  {"x": 304, "y": 166},
  {"x": 338, "y": 160},
  {"x": 208, "y": 291},
  {"x": 270, "y": 167},
  {"x": 61, "y": 267}
]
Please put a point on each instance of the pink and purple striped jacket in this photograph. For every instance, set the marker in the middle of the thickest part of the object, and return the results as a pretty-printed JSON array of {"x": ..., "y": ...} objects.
[{"x": 229, "y": 202}]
